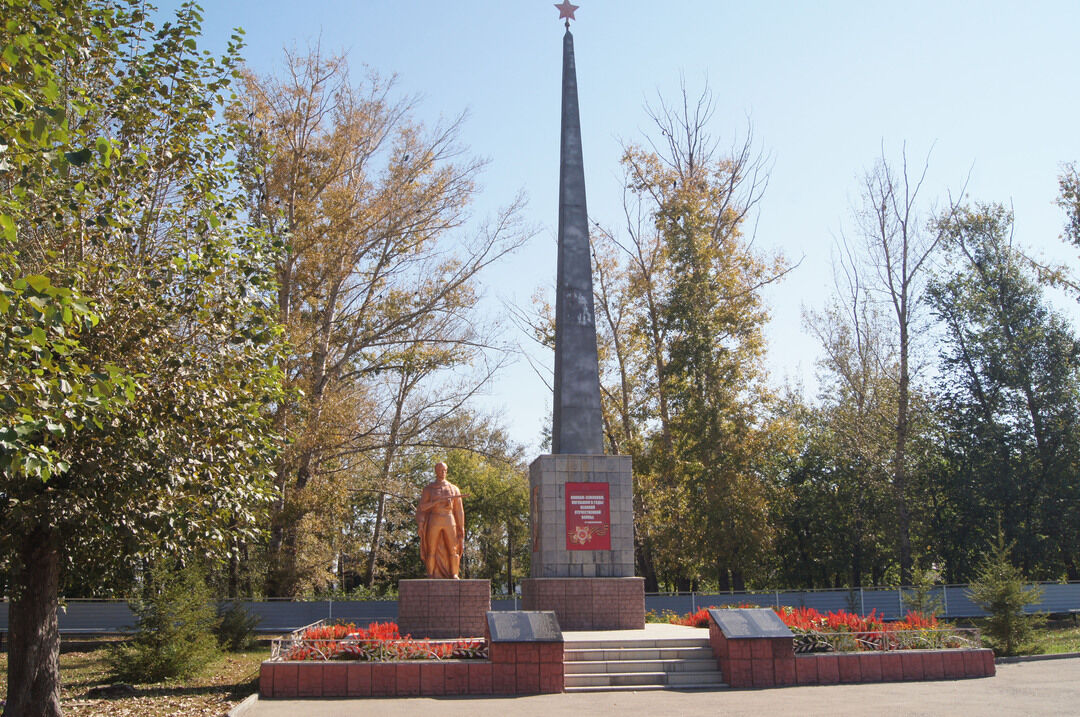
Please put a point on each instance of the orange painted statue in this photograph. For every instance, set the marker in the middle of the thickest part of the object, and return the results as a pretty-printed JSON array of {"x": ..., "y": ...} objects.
[{"x": 441, "y": 520}]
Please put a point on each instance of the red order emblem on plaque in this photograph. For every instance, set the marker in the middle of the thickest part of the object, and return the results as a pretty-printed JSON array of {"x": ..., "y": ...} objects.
[{"x": 588, "y": 518}]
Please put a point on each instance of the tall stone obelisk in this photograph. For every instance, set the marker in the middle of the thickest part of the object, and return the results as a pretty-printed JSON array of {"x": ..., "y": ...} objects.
[
  {"x": 578, "y": 422},
  {"x": 582, "y": 502}
]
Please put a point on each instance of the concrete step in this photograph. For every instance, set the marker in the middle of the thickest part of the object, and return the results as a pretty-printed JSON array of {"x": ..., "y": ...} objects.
[
  {"x": 647, "y": 688},
  {"x": 660, "y": 679},
  {"x": 637, "y": 653},
  {"x": 707, "y": 677},
  {"x": 593, "y": 666},
  {"x": 637, "y": 643}
]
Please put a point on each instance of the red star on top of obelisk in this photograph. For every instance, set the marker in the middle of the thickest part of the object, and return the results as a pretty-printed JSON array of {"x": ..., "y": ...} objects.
[{"x": 566, "y": 10}]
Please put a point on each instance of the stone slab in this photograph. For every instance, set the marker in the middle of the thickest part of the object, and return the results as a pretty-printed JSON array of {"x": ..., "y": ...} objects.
[
  {"x": 524, "y": 626},
  {"x": 750, "y": 623}
]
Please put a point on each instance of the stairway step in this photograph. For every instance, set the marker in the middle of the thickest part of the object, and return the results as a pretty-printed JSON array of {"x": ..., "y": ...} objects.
[
  {"x": 578, "y": 667},
  {"x": 637, "y": 643},
  {"x": 624, "y": 679},
  {"x": 636, "y": 653},
  {"x": 677, "y": 679},
  {"x": 648, "y": 688},
  {"x": 615, "y": 679}
]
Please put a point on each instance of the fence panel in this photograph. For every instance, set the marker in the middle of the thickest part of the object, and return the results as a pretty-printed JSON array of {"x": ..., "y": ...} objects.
[{"x": 104, "y": 616}]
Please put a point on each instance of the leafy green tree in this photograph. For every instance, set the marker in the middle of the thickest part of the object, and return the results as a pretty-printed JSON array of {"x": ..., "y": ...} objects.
[
  {"x": 888, "y": 263},
  {"x": 707, "y": 460},
  {"x": 497, "y": 541},
  {"x": 999, "y": 589},
  {"x": 141, "y": 356},
  {"x": 1010, "y": 386},
  {"x": 832, "y": 504}
]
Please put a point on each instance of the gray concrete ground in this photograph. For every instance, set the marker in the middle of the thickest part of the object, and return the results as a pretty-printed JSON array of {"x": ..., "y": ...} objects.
[{"x": 1045, "y": 687}]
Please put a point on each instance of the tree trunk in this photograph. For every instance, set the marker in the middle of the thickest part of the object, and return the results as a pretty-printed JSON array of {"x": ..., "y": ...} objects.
[
  {"x": 376, "y": 538},
  {"x": 900, "y": 458},
  {"x": 509, "y": 560},
  {"x": 34, "y": 650}
]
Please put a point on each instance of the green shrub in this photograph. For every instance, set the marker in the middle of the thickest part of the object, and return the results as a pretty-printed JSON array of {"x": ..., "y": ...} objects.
[
  {"x": 236, "y": 627},
  {"x": 174, "y": 630},
  {"x": 1000, "y": 590},
  {"x": 920, "y": 597}
]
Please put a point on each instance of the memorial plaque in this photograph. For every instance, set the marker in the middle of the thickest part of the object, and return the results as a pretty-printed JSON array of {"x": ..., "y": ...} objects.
[
  {"x": 749, "y": 623},
  {"x": 588, "y": 516},
  {"x": 524, "y": 626}
]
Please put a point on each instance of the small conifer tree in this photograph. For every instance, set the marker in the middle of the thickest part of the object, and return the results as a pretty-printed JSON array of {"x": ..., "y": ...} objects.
[
  {"x": 1000, "y": 590},
  {"x": 920, "y": 597},
  {"x": 174, "y": 632}
]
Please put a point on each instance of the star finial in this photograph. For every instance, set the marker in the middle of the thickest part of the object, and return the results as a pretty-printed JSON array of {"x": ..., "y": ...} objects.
[{"x": 566, "y": 10}]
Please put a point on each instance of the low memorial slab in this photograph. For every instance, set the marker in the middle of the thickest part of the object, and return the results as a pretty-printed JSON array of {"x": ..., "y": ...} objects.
[
  {"x": 524, "y": 626},
  {"x": 759, "y": 623},
  {"x": 526, "y": 648}
]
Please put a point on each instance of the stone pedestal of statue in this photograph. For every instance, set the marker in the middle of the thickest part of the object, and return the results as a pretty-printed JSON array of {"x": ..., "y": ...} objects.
[{"x": 443, "y": 609}]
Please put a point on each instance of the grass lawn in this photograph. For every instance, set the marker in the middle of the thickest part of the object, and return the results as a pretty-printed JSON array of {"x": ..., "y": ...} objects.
[
  {"x": 86, "y": 687},
  {"x": 1054, "y": 639}
]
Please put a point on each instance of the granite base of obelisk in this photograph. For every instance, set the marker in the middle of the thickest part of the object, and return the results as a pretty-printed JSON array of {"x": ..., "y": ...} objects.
[{"x": 582, "y": 517}]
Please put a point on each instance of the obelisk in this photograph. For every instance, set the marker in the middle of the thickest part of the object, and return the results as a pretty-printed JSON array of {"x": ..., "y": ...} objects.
[
  {"x": 582, "y": 501},
  {"x": 578, "y": 422}
]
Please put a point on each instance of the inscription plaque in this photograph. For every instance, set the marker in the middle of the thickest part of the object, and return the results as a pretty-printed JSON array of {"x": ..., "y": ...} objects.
[
  {"x": 749, "y": 623},
  {"x": 524, "y": 626},
  {"x": 588, "y": 516}
]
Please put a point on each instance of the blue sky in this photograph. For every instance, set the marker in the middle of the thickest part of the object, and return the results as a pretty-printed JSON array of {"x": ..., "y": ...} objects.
[{"x": 989, "y": 87}]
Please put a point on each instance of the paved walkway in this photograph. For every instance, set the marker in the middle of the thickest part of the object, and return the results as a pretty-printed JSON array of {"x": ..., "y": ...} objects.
[{"x": 1046, "y": 687}]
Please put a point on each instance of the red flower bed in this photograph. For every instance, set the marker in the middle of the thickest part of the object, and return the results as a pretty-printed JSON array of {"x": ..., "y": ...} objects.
[
  {"x": 701, "y": 617},
  {"x": 844, "y": 631},
  {"x": 378, "y": 642}
]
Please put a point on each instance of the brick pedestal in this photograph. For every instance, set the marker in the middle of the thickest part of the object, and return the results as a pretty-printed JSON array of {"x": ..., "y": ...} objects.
[
  {"x": 588, "y": 603},
  {"x": 443, "y": 608}
]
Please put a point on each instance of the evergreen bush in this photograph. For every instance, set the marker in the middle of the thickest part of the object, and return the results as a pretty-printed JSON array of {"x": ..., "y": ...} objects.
[
  {"x": 999, "y": 589},
  {"x": 236, "y": 627},
  {"x": 920, "y": 596},
  {"x": 174, "y": 631}
]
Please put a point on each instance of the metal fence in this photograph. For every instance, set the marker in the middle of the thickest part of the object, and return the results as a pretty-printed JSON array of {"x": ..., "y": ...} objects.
[{"x": 281, "y": 615}]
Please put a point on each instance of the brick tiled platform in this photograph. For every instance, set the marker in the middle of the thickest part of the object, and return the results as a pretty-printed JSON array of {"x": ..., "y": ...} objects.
[
  {"x": 771, "y": 662},
  {"x": 443, "y": 608},
  {"x": 514, "y": 668},
  {"x": 588, "y": 603}
]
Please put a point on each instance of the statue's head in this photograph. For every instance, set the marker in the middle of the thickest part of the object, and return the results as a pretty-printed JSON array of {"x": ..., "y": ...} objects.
[{"x": 440, "y": 470}]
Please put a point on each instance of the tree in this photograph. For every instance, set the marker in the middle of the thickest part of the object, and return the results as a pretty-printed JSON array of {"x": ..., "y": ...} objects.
[
  {"x": 174, "y": 627},
  {"x": 682, "y": 346},
  {"x": 141, "y": 356},
  {"x": 377, "y": 289},
  {"x": 999, "y": 589},
  {"x": 894, "y": 247},
  {"x": 1010, "y": 384}
]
